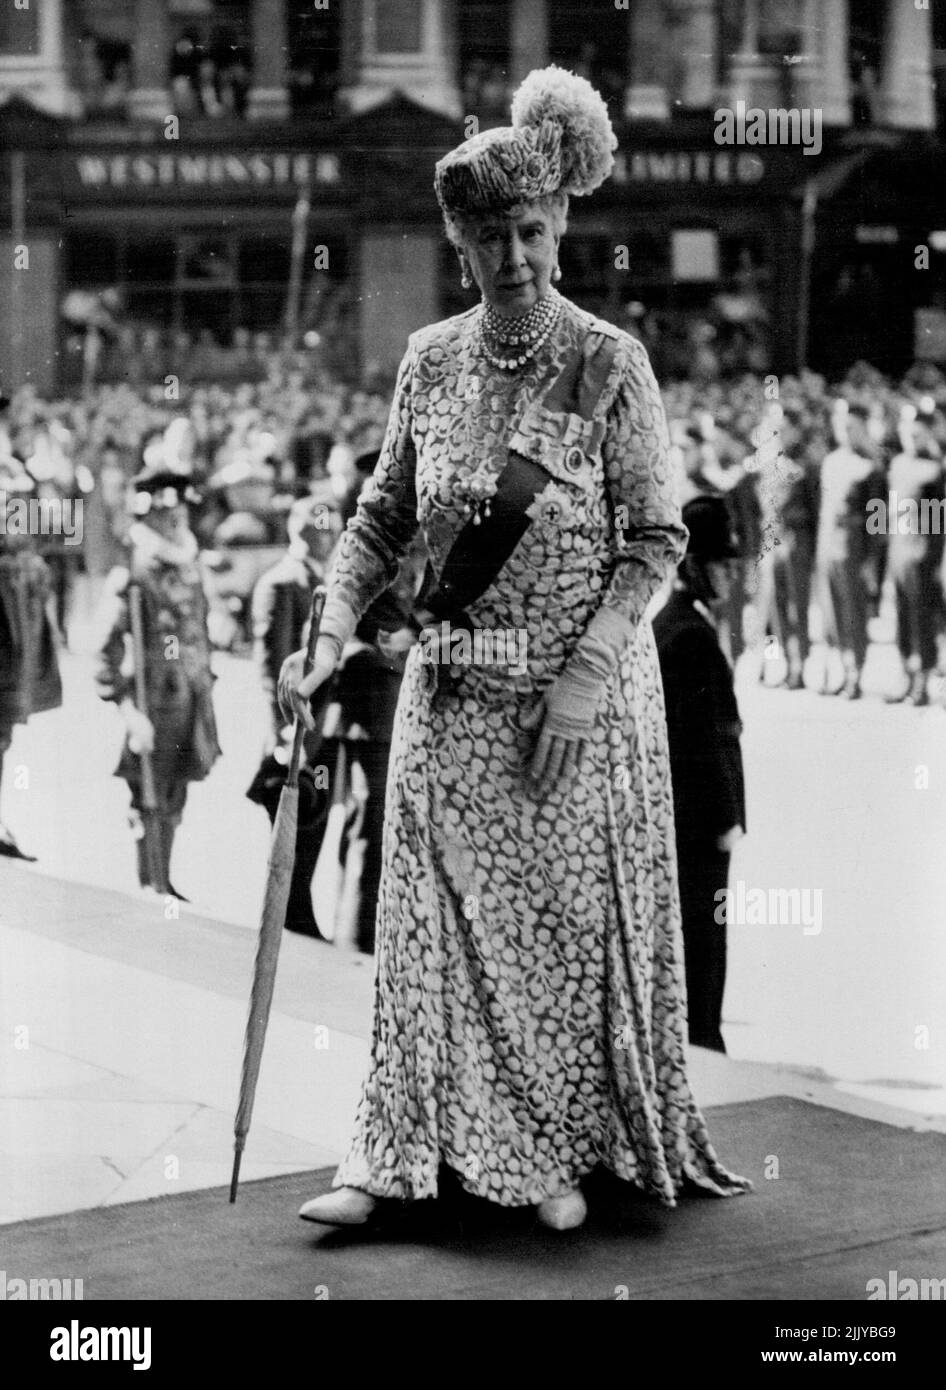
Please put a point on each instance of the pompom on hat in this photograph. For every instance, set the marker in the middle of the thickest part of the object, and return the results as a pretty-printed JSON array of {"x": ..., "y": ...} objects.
[{"x": 560, "y": 141}]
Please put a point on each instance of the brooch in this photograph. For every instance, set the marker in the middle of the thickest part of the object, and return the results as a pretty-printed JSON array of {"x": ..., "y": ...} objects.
[{"x": 551, "y": 507}]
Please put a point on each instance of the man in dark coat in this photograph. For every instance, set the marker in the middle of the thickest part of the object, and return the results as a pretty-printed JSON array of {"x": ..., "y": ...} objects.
[
  {"x": 846, "y": 552},
  {"x": 29, "y": 667},
  {"x": 364, "y": 695},
  {"x": 704, "y": 727},
  {"x": 282, "y": 602}
]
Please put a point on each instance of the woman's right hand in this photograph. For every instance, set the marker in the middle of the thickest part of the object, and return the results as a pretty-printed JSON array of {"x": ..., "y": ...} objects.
[
  {"x": 295, "y": 689},
  {"x": 138, "y": 728}
]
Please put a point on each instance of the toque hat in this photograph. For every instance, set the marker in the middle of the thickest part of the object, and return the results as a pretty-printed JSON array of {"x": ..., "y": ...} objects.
[{"x": 560, "y": 141}]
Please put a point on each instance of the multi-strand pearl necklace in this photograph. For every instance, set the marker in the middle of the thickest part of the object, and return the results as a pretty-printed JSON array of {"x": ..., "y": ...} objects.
[{"x": 516, "y": 340}]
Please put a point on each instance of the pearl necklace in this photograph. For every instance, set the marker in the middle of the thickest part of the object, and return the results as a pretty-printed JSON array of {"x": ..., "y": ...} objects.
[{"x": 529, "y": 332}]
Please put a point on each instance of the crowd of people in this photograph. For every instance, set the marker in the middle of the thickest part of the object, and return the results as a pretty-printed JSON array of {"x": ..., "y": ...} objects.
[{"x": 831, "y": 489}]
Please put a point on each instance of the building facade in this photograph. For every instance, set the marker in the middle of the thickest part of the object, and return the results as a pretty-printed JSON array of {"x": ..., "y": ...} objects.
[{"x": 213, "y": 171}]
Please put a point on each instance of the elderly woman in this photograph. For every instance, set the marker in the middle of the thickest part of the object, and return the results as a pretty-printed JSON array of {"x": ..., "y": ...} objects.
[{"x": 529, "y": 1017}]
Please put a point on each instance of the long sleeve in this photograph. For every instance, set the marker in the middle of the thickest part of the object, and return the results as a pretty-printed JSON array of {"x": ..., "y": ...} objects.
[
  {"x": 639, "y": 477},
  {"x": 651, "y": 538},
  {"x": 384, "y": 525}
]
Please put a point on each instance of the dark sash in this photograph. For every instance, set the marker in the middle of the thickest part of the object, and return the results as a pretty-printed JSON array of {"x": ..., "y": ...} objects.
[{"x": 485, "y": 542}]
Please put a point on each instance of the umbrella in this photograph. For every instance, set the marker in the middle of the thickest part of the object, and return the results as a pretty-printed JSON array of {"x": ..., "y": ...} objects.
[{"x": 282, "y": 852}]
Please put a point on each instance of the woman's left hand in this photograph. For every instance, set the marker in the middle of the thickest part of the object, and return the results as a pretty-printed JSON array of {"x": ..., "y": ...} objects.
[{"x": 554, "y": 757}]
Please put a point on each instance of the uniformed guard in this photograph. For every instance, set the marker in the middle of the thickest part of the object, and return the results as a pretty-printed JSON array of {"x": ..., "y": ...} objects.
[
  {"x": 175, "y": 732},
  {"x": 29, "y": 667}
]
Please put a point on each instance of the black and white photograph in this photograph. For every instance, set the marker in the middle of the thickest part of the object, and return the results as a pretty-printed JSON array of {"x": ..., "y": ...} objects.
[{"x": 473, "y": 664}]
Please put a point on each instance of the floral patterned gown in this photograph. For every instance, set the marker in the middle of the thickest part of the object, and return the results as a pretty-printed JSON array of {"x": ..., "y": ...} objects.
[{"x": 529, "y": 1014}]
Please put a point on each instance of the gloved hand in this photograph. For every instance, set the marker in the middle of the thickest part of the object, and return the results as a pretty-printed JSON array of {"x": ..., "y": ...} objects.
[
  {"x": 295, "y": 689},
  {"x": 139, "y": 728},
  {"x": 571, "y": 704}
]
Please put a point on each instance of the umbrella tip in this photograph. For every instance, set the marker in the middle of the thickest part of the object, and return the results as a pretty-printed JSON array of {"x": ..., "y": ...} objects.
[{"x": 235, "y": 1177}]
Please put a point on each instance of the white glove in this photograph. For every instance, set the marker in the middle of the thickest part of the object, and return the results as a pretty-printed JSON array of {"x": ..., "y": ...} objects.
[{"x": 140, "y": 730}]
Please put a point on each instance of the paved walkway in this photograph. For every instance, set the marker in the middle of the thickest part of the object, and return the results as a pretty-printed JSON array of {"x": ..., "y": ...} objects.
[{"x": 122, "y": 1040}]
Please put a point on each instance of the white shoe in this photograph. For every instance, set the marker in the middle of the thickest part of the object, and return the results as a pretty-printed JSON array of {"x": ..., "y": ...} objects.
[
  {"x": 348, "y": 1206},
  {"x": 563, "y": 1213}
]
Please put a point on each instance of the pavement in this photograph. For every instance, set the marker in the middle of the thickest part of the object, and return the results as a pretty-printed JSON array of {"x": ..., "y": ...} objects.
[
  {"x": 123, "y": 1039},
  {"x": 122, "y": 1026}
]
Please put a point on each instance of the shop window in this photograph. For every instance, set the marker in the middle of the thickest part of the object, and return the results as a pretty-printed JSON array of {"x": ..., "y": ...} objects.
[
  {"x": 206, "y": 260},
  {"x": 864, "y": 51},
  {"x": 210, "y": 61},
  {"x": 483, "y": 49},
  {"x": 150, "y": 262},
  {"x": 397, "y": 26},
  {"x": 314, "y": 57},
  {"x": 19, "y": 31},
  {"x": 598, "y": 50},
  {"x": 92, "y": 260},
  {"x": 264, "y": 259}
]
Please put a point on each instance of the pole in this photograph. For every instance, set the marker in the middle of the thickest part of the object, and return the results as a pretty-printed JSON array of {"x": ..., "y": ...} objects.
[{"x": 808, "y": 210}]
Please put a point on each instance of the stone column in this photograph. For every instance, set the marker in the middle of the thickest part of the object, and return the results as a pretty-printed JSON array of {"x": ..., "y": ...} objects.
[
  {"x": 404, "y": 46},
  {"x": 806, "y": 79},
  {"x": 150, "y": 97},
  {"x": 646, "y": 95},
  {"x": 835, "y": 98},
  {"x": 269, "y": 93},
  {"x": 699, "y": 46},
  {"x": 906, "y": 83},
  {"x": 528, "y": 38},
  {"x": 750, "y": 77}
]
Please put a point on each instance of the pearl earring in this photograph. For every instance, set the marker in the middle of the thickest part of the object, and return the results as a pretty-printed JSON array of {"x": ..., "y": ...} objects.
[
  {"x": 465, "y": 280},
  {"x": 557, "y": 274}
]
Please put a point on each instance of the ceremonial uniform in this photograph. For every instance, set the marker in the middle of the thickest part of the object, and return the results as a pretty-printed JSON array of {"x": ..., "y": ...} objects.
[
  {"x": 178, "y": 676},
  {"x": 29, "y": 667}
]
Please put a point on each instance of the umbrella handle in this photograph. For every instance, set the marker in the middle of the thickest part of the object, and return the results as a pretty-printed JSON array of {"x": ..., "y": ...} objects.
[{"x": 298, "y": 732}]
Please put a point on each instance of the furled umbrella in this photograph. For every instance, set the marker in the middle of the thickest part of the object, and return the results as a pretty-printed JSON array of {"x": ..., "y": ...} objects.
[{"x": 279, "y": 875}]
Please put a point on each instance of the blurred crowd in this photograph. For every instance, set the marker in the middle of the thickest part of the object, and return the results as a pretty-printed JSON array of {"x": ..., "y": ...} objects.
[
  {"x": 836, "y": 495},
  {"x": 797, "y": 458}
]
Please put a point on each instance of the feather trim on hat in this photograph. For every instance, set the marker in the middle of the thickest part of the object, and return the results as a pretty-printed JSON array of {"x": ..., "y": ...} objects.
[{"x": 553, "y": 95}]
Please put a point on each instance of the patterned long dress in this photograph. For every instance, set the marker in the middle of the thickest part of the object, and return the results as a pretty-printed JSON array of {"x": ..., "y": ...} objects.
[{"x": 529, "y": 1014}]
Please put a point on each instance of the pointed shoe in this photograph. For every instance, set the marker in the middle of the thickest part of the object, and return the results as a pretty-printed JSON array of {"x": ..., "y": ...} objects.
[
  {"x": 347, "y": 1206},
  {"x": 563, "y": 1213}
]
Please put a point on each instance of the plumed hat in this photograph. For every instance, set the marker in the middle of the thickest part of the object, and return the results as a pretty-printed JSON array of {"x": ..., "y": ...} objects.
[{"x": 560, "y": 141}]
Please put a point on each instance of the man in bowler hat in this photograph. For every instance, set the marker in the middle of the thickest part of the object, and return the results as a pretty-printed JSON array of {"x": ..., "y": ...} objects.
[{"x": 705, "y": 759}]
